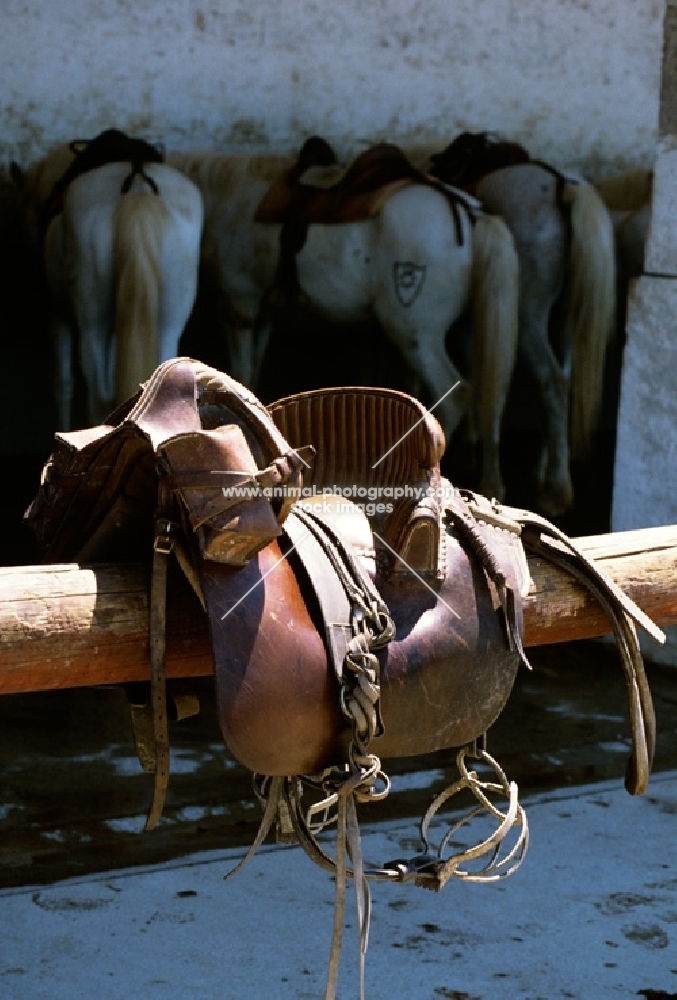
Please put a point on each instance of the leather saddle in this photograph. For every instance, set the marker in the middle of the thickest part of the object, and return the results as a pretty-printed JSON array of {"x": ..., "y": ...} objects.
[
  {"x": 318, "y": 190},
  {"x": 110, "y": 146},
  {"x": 195, "y": 460},
  {"x": 360, "y": 606},
  {"x": 471, "y": 156}
]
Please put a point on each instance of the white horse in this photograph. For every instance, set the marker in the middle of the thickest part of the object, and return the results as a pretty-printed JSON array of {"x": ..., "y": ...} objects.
[
  {"x": 121, "y": 269},
  {"x": 414, "y": 266},
  {"x": 565, "y": 243}
]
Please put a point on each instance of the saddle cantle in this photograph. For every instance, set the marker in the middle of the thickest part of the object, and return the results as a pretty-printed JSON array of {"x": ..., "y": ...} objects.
[{"x": 340, "y": 637}]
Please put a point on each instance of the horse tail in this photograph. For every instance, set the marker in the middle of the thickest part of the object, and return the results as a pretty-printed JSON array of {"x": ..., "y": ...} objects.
[
  {"x": 495, "y": 312},
  {"x": 140, "y": 220},
  {"x": 591, "y": 307}
]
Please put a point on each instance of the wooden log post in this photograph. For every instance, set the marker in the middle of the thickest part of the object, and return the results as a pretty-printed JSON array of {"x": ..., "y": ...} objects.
[{"x": 66, "y": 625}]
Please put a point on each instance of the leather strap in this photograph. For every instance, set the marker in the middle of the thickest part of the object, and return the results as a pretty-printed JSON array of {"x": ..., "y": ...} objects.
[
  {"x": 642, "y": 717},
  {"x": 340, "y": 583},
  {"x": 356, "y": 621},
  {"x": 165, "y": 532},
  {"x": 465, "y": 521},
  {"x": 546, "y": 540}
]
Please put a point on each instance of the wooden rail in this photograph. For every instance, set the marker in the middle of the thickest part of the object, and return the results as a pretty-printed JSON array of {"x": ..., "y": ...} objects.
[{"x": 67, "y": 626}]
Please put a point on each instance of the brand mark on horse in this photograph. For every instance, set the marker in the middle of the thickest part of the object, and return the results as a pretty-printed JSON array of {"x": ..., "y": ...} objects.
[{"x": 409, "y": 280}]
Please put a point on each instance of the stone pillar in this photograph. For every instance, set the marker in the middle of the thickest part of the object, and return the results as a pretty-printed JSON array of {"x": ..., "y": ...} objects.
[{"x": 645, "y": 473}]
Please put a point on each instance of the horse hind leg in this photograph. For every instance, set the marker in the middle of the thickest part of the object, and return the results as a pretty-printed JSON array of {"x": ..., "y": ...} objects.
[
  {"x": 93, "y": 308},
  {"x": 245, "y": 334},
  {"x": 64, "y": 383},
  {"x": 433, "y": 375},
  {"x": 97, "y": 358},
  {"x": 139, "y": 224},
  {"x": 244, "y": 359},
  {"x": 555, "y": 490},
  {"x": 541, "y": 239},
  {"x": 179, "y": 261}
]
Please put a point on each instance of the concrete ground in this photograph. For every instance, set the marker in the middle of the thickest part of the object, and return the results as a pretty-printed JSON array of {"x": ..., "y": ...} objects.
[{"x": 592, "y": 913}]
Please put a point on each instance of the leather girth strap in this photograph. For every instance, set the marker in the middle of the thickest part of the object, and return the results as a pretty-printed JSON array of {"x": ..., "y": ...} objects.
[{"x": 166, "y": 529}]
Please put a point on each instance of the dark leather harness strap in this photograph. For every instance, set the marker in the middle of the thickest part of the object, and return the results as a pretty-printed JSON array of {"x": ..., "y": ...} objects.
[
  {"x": 545, "y": 539},
  {"x": 165, "y": 533}
]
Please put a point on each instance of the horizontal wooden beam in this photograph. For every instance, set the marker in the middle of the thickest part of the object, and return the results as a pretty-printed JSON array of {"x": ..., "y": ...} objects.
[{"x": 67, "y": 626}]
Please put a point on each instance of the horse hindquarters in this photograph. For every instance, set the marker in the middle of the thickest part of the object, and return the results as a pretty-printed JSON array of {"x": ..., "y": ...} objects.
[{"x": 527, "y": 198}]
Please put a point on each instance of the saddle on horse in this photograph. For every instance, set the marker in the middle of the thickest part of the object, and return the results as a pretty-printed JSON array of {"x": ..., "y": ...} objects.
[
  {"x": 110, "y": 146},
  {"x": 338, "y": 638},
  {"x": 471, "y": 156},
  {"x": 315, "y": 190}
]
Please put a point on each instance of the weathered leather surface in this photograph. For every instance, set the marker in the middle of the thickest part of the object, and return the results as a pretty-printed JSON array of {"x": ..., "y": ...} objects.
[
  {"x": 99, "y": 487},
  {"x": 445, "y": 677}
]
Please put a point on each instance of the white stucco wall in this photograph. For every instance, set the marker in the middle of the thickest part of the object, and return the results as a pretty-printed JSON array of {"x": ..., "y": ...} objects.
[{"x": 576, "y": 80}]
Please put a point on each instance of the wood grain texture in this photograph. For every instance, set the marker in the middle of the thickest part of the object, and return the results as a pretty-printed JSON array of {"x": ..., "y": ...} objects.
[{"x": 66, "y": 625}]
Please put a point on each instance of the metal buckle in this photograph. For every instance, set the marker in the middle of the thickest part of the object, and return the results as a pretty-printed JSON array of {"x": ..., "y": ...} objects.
[{"x": 164, "y": 532}]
